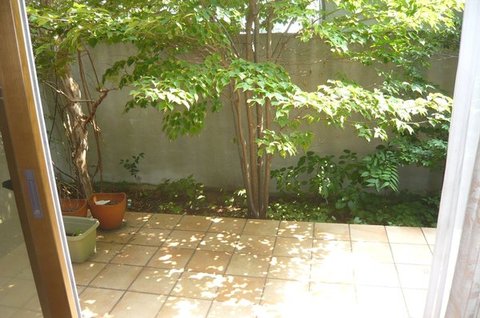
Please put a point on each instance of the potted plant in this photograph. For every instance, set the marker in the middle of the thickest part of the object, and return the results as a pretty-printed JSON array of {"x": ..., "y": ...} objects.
[
  {"x": 81, "y": 237},
  {"x": 74, "y": 207},
  {"x": 108, "y": 209}
]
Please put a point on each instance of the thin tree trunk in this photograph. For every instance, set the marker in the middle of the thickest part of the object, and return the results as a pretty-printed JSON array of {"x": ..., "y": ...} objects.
[
  {"x": 90, "y": 106},
  {"x": 77, "y": 131},
  {"x": 251, "y": 145},
  {"x": 264, "y": 182},
  {"x": 242, "y": 150}
]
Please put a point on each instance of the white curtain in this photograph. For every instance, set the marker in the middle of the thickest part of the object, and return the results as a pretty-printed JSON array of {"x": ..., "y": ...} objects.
[{"x": 455, "y": 277}]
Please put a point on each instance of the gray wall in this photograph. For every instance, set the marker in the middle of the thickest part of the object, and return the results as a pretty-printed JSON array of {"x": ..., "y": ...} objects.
[{"x": 211, "y": 157}]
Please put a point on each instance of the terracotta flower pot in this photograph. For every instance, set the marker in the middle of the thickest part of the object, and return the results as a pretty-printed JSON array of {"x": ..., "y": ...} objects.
[
  {"x": 108, "y": 209},
  {"x": 74, "y": 207}
]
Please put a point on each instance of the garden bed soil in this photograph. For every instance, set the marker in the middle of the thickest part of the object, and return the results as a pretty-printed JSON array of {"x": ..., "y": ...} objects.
[
  {"x": 214, "y": 202},
  {"x": 400, "y": 209}
]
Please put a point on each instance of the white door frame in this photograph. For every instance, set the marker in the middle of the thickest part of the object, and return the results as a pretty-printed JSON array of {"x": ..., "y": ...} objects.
[{"x": 454, "y": 279}]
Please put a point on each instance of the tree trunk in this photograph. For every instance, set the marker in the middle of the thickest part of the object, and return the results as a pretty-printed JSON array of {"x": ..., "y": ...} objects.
[
  {"x": 250, "y": 122},
  {"x": 77, "y": 132}
]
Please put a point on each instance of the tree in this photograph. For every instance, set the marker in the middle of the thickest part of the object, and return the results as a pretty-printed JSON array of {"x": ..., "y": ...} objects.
[
  {"x": 61, "y": 31},
  {"x": 190, "y": 52}
]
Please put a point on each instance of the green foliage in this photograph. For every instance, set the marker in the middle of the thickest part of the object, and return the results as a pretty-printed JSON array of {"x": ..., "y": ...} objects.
[
  {"x": 186, "y": 191},
  {"x": 299, "y": 211},
  {"x": 187, "y": 59},
  {"x": 404, "y": 209},
  {"x": 171, "y": 207},
  {"x": 339, "y": 104},
  {"x": 348, "y": 180},
  {"x": 131, "y": 164},
  {"x": 399, "y": 209},
  {"x": 402, "y": 33}
]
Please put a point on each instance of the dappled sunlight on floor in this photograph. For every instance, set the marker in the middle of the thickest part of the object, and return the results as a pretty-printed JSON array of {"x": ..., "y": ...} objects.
[{"x": 160, "y": 265}]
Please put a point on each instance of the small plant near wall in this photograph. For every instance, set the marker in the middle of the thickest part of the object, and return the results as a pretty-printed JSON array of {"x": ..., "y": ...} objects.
[
  {"x": 346, "y": 181},
  {"x": 131, "y": 164},
  {"x": 185, "y": 190}
]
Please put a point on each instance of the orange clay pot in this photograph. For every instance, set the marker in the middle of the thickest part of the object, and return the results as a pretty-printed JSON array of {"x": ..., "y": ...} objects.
[
  {"x": 109, "y": 214},
  {"x": 74, "y": 207}
]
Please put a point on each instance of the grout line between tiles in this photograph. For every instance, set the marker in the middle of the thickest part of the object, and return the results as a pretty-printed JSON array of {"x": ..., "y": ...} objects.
[{"x": 398, "y": 276}]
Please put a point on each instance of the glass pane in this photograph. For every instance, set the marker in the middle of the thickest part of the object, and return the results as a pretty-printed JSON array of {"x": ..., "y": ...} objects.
[{"x": 18, "y": 295}]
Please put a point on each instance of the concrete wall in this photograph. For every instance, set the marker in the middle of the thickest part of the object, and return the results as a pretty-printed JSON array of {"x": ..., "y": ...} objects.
[{"x": 211, "y": 157}]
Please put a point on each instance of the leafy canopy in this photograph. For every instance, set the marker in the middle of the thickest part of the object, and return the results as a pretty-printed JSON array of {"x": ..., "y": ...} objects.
[{"x": 189, "y": 51}]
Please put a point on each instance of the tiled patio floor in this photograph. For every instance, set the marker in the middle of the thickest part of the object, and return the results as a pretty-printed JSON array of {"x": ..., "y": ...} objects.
[{"x": 188, "y": 266}]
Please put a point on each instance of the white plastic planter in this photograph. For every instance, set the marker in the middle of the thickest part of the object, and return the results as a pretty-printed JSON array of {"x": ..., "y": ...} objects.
[{"x": 81, "y": 237}]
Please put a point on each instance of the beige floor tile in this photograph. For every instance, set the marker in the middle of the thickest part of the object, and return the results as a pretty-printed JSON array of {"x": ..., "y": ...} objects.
[
  {"x": 416, "y": 300},
  {"x": 136, "y": 219},
  {"x": 25, "y": 313},
  {"x": 332, "y": 272},
  {"x": 80, "y": 289},
  {"x": 17, "y": 292},
  {"x": 181, "y": 307},
  {"x": 261, "y": 227},
  {"x": 293, "y": 246},
  {"x": 19, "y": 257},
  {"x": 371, "y": 252},
  {"x": 414, "y": 276},
  {"x": 430, "y": 234},
  {"x": 98, "y": 302},
  {"x": 300, "y": 230},
  {"x": 405, "y": 235},
  {"x": 135, "y": 255},
  {"x": 105, "y": 252},
  {"x": 332, "y": 250},
  {"x": 220, "y": 242},
  {"x": 122, "y": 235},
  {"x": 197, "y": 285},
  {"x": 34, "y": 304},
  {"x": 194, "y": 223},
  {"x": 156, "y": 280},
  {"x": 209, "y": 262},
  {"x": 4, "y": 280},
  {"x": 292, "y": 268},
  {"x": 26, "y": 273},
  {"x": 411, "y": 254},
  {"x": 116, "y": 276},
  {"x": 171, "y": 258},
  {"x": 85, "y": 272},
  {"x": 229, "y": 309},
  {"x": 7, "y": 312},
  {"x": 184, "y": 239},
  {"x": 138, "y": 305},
  {"x": 163, "y": 221},
  {"x": 333, "y": 296},
  {"x": 381, "y": 302},
  {"x": 227, "y": 225},
  {"x": 384, "y": 275},
  {"x": 248, "y": 265},
  {"x": 301, "y": 307},
  {"x": 241, "y": 290},
  {"x": 255, "y": 244},
  {"x": 150, "y": 236},
  {"x": 284, "y": 291},
  {"x": 332, "y": 231},
  {"x": 368, "y": 233}
]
